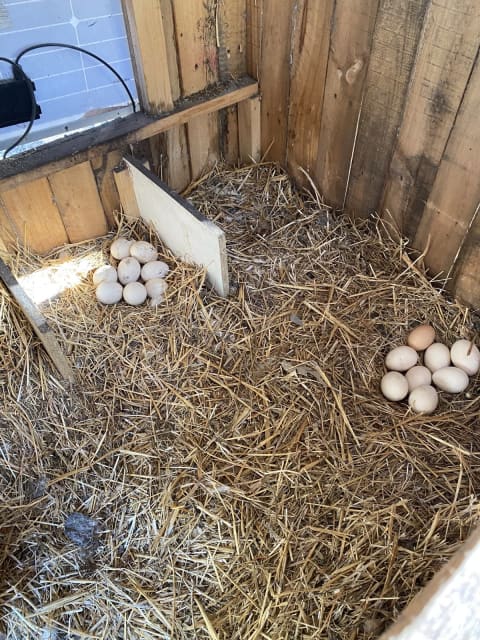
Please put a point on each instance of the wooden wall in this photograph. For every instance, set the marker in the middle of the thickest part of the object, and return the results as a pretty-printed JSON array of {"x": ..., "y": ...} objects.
[{"x": 379, "y": 101}]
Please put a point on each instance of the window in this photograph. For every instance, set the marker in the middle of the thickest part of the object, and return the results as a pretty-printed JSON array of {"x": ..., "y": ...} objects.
[{"x": 73, "y": 90}]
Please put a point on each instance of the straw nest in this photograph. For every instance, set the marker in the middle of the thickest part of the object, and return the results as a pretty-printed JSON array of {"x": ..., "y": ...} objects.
[{"x": 244, "y": 476}]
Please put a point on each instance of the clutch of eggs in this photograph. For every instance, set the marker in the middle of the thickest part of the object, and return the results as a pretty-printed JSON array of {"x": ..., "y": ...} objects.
[
  {"x": 137, "y": 259},
  {"x": 443, "y": 368}
]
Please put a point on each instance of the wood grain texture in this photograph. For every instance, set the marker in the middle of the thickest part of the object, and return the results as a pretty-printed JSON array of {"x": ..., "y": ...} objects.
[
  {"x": 447, "y": 51},
  {"x": 229, "y": 138},
  {"x": 8, "y": 235},
  {"x": 397, "y": 31},
  {"x": 34, "y": 216},
  {"x": 454, "y": 198},
  {"x": 75, "y": 192},
  {"x": 254, "y": 10},
  {"x": 148, "y": 51},
  {"x": 128, "y": 199},
  {"x": 203, "y": 143},
  {"x": 311, "y": 42},
  {"x": 249, "y": 133},
  {"x": 277, "y": 24},
  {"x": 466, "y": 274},
  {"x": 103, "y": 167},
  {"x": 350, "y": 44},
  {"x": 232, "y": 34}
]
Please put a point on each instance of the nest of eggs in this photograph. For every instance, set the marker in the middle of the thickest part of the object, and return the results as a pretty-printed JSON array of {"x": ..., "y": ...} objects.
[{"x": 233, "y": 461}]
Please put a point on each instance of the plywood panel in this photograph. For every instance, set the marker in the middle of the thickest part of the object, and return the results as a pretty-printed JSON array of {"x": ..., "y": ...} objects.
[
  {"x": 446, "y": 55},
  {"x": 76, "y": 195},
  {"x": 311, "y": 41},
  {"x": 34, "y": 216},
  {"x": 397, "y": 30},
  {"x": 454, "y": 198},
  {"x": 277, "y": 21},
  {"x": 350, "y": 43},
  {"x": 232, "y": 34}
]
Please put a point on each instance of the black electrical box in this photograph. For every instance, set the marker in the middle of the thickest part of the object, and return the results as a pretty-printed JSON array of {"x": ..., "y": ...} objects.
[{"x": 16, "y": 102}]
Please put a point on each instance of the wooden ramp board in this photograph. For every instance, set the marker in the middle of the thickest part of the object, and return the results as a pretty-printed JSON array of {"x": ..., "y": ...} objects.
[
  {"x": 183, "y": 229},
  {"x": 38, "y": 322}
]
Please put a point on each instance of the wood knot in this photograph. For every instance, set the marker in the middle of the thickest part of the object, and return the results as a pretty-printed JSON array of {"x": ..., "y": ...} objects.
[{"x": 353, "y": 71}]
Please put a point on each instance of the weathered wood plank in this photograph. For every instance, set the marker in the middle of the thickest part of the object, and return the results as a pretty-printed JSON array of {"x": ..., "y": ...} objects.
[
  {"x": 149, "y": 52},
  {"x": 350, "y": 44},
  {"x": 229, "y": 138},
  {"x": 128, "y": 199},
  {"x": 34, "y": 216},
  {"x": 447, "y": 51},
  {"x": 311, "y": 42},
  {"x": 103, "y": 171},
  {"x": 466, "y": 274},
  {"x": 203, "y": 143},
  {"x": 397, "y": 31},
  {"x": 254, "y": 37},
  {"x": 275, "y": 76},
  {"x": 454, "y": 198},
  {"x": 38, "y": 323},
  {"x": 232, "y": 34},
  {"x": 75, "y": 192},
  {"x": 249, "y": 133}
]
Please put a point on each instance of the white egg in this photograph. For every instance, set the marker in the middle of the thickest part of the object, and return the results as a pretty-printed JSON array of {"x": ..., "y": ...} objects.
[
  {"x": 436, "y": 356},
  {"x": 418, "y": 376},
  {"x": 466, "y": 355},
  {"x": 423, "y": 399},
  {"x": 128, "y": 270},
  {"x": 394, "y": 386},
  {"x": 154, "y": 269},
  {"x": 120, "y": 248},
  {"x": 143, "y": 251},
  {"x": 134, "y": 293},
  {"x": 401, "y": 359},
  {"x": 109, "y": 292},
  {"x": 154, "y": 302},
  {"x": 156, "y": 287},
  {"x": 450, "y": 379},
  {"x": 105, "y": 273}
]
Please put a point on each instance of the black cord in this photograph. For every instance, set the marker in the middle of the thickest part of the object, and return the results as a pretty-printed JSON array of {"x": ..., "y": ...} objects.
[
  {"x": 88, "y": 53},
  {"x": 19, "y": 69}
]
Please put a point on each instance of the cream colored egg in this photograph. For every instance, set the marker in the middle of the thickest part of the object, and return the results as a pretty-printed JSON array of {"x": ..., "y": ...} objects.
[
  {"x": 143, "y": 251},
  {"x": 156, "y": 287},
  {"x": 134, "y": 293},
  {"x": 418, "y": 376},
  {"x": 105, "y": 273},
  {"x": 401, "y": 359},
  {"x": 128, "y": 270},
  {"x": 120, "y": 248},
  {"x": 423, "y": 399},
  {"x": 154, "y": 269},
  {"x": 109, "y": 292},
  {"x": 394, "y": 386},
  {"x": 421, "y": 337},
  {"x": 466, "y": 356},
  {"x": 436, "y": 356},
  {"x": 450, "y": 379}
]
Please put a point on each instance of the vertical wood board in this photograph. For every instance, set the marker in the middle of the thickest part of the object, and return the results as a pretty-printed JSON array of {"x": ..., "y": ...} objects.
[
  {"x": 75, "y": 192},
  {"x": 249, "y": 134},
  {"x": 350, "y": 44},
  {"x": 187, "y": 233},
  {"x": 466, "y": 275},
  {"x": 128, "y": 199},
  {"x": 253, "y": 36},
  {"x": 232, "y": 34},
  {"x": 229, "y": 127},
  {"x": 103, "y": 167}
]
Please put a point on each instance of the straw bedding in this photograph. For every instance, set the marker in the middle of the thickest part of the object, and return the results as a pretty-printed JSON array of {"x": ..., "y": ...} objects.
[{"x": 244, "y": 477}]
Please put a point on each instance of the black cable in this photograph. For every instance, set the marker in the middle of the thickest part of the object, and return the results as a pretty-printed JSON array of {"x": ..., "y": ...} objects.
[
  {"x": 88, "y": 53},
  {"x": 19, "y": 69}
]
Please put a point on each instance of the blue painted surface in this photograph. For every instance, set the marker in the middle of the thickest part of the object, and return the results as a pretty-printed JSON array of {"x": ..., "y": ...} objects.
[{"x": 70, "y": 86}]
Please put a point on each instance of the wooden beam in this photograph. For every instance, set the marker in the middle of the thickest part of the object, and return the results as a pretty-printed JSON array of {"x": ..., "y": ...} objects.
[
  {"x": 128, "y": 199},
  {"x": 38, "y": 322},
  {"x": 249, "y": 136},
  {"x": 117, "y": 134},
  {"x": 149, "y": 52}
]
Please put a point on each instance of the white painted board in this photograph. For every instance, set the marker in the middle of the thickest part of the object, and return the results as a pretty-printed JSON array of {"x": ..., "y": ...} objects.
[{"x": 180, "y": 226}]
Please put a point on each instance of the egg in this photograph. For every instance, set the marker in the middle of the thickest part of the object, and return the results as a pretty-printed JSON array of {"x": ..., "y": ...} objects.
[
  {"x": 418, "y": 376},
  {"x": 436, "y": 356},
  {"x": 156, "y": 287},
  {"x": 401, "y": 359},
  {"x": 120, "y": 248},
  {"x": 421, "y": 337},
  {"x": 105, "y": 273},
  {"x": 154, "y": 269},
  {"x": 394, "y": 386},
  {"x": 450, "y": 379},
  {"x": 465, "y": 355},
  {"x": 154, "y": 302},
  {"x": 109, "y": 292},
  {"x": 423, "y": 399},
  {"x": 143, "y": 251},
  {"x": 128, "y": 270},
  {"x": 134, "y": 293}
]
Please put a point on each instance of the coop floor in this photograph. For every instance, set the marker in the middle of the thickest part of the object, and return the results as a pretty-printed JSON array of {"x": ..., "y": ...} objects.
[{"x": 247, "y": 478}]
